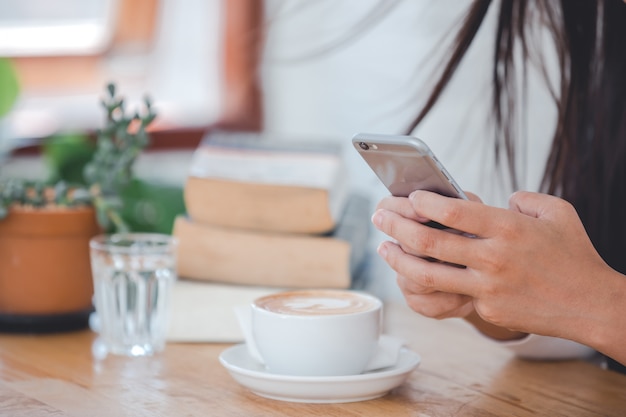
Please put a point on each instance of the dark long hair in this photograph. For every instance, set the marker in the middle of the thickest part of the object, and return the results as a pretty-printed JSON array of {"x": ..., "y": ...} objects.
[{"x": 587, "y": 161}]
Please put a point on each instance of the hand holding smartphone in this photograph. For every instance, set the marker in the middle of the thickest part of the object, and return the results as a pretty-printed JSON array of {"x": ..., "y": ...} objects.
[{"x": 405, "y": 164}]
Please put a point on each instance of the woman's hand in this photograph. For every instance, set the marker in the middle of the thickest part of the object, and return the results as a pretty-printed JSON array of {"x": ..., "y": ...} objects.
[
  {"x": 423, "y": 299},
  {"x": 530, "y": 268}
]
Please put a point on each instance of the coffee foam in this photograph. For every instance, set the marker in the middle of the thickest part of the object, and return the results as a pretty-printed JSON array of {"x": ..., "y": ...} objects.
[{"x": 317, "y": 303}]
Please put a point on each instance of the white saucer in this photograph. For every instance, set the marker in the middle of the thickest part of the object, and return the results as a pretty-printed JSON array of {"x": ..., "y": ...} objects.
[{"x": 316, "y": 389}]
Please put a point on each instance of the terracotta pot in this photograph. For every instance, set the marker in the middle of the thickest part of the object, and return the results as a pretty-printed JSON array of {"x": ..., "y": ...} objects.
[{"x": 44, "y": 262}]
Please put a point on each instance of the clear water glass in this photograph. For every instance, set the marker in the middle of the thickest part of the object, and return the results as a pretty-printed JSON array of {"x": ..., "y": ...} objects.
[{"x": 133, "y": 274}]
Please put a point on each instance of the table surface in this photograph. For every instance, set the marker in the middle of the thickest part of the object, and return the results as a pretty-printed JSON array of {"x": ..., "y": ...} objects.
[{"x": 460, "y": 374}]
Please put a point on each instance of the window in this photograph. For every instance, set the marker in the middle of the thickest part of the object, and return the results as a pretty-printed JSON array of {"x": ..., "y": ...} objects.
[{"x": 61, "y": 27}]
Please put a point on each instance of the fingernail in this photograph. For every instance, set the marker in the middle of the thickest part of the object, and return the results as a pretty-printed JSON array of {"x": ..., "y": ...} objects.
[
  {"x": 377, "y": 218},
  {"x": 382, "y": 250}
]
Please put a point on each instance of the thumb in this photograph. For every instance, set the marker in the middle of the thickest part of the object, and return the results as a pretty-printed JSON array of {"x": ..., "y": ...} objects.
[{"x": 536, "y": 205}]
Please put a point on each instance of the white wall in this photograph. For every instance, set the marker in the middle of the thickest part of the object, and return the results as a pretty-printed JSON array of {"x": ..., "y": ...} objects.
[{"x": 376, "y": 84}]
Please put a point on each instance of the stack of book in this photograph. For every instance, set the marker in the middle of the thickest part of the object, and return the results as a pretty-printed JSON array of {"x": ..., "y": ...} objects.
[{"x": 262, "y": 213}]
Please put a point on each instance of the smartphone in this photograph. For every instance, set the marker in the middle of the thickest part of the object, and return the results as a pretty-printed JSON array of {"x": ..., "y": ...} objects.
[{"x": 405, "y": 164}]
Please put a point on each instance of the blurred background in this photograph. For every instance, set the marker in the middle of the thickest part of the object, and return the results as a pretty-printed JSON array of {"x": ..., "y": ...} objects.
[
  {"x": 295, "y": 68},
  {"x": 67, "y": 50}
]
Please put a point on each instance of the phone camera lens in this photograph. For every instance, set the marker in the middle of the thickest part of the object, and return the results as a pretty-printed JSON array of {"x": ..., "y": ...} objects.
[{"x": 364, "y": 146}]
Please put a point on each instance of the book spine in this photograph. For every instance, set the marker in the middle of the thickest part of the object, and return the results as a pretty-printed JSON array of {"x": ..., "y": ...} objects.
[{"x": 242, "y": 257}]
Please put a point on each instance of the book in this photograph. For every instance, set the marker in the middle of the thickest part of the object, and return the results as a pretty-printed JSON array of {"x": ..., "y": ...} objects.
[
  {"x": 258, "y": 182},
  {"x": 250, "y": 257}
]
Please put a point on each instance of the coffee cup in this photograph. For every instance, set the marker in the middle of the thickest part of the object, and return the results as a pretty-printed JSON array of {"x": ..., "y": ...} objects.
[{"x": 316, "y": 332}]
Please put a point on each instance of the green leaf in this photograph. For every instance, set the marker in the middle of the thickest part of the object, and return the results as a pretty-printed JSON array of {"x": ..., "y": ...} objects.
[
  {"x": 67, "y": 155},
  {"x": 111, "y": 89},
  {"x": 152, "y": 207},
  {"x": 9, "y": 86}
]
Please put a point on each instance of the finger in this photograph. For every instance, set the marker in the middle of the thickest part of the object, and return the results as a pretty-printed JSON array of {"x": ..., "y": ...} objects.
[
  {"x": 473, "y": 197},
  {"x": 427, "y": 242},
  {"x": 471, "y": 217},
  {"x": 402, "y": 206},
  {"x": 436, "y": 276},
  {"x": 440, "y": 305},
  {"x": 432, "y": 303},
  {"x": 410, "y": 286},
  {"x": 538, "y": 205}
]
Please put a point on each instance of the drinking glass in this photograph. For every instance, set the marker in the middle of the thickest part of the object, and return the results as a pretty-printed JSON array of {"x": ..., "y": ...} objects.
[{"x": 133, "y": 274}]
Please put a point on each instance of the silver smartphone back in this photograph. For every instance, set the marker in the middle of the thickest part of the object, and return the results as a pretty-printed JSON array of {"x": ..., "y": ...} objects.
[{"x": 405, "y": 164}]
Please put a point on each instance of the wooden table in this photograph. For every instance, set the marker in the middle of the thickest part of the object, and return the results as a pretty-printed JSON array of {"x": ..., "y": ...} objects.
[{"x": 461, "y": 374}]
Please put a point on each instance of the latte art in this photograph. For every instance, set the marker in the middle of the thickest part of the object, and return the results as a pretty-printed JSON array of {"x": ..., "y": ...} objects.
[{"x": 317, "y": 303}]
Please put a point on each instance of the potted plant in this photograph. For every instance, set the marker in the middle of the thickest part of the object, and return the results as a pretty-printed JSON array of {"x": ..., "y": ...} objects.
[{"x": 45, "y": 276}]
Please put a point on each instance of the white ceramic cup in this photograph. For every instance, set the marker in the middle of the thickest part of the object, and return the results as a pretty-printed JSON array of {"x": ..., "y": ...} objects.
[{"x": 316, "y": 332}]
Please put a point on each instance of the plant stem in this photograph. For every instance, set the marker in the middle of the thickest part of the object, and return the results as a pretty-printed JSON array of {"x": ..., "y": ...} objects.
[{"x": 110, "y": 213}]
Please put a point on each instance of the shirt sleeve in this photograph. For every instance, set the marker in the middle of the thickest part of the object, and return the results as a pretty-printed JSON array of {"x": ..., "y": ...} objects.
[{"x": 548, "y": 348}]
